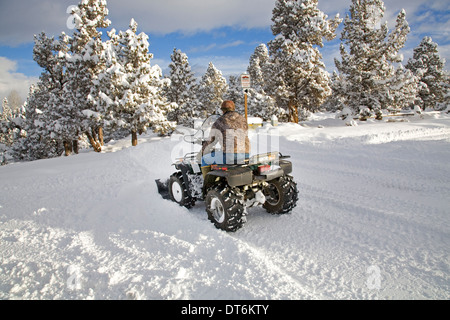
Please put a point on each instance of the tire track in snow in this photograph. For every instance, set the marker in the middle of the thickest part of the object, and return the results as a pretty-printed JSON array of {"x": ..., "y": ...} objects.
[
  {"x": 382, "y": 217},
  {"x": 351, "y": 217}
]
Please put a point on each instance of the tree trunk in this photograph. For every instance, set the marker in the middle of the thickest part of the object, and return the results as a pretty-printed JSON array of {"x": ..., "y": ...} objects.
[
  {"x": 67, "y": 148},
  {"x": 293, "y": 111},
  {"x": 94, "y": 143},
  {"x": 75, "y": 146},
  {"x": 134, "y": 140},
  {"x": 100, "y": 136},
  {"x": 94, "y": 134}
]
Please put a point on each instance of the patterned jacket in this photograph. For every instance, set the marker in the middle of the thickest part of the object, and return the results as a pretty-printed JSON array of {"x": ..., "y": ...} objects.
[{"x": 231, "y": 131}]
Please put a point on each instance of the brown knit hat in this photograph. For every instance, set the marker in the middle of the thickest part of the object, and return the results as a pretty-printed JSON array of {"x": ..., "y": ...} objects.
[{"x": 228, "y": 106}]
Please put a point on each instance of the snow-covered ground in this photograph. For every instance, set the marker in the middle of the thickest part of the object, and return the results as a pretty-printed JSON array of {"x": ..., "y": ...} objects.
[{"x": 372, "y": 221}]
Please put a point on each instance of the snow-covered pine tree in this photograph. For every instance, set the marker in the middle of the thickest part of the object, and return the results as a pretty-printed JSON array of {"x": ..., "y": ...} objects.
[
  {"x": 85, "y": 63},
  {"x": 34, "y": 141},
  {"x": 257, "y": 67},
  {"x": 403, "y": 89},
  {"x": 182, "y": 89},
  {"x": 212, "y": 89},
  {"x": 427, "y": 65},
  {"x": 260, "y": 104},
  {"x": 235, "y": 93},
  {"x": 263, "y": 106},
  {"x": 134, "y": 99},
  {"x": 334, "y": 102},
  {"x": 366, "y": 69},
  {"x": 14, "y": 99},
  {"x": 108, "y": 87},
  {"x": 297, "y": 75},
  {"x": 445, "y": 104},
  {"x": 56, "y": 120},
  {"x": 6, "y": 136}
]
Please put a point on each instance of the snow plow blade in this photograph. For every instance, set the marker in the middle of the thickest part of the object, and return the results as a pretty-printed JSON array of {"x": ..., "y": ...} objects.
[{"x": 163, "y": 189}]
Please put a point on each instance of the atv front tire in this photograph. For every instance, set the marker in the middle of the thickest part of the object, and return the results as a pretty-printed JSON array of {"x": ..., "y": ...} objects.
[
  {"x": 225, "y": 208},
  {"x": 178, "y": 191},
  {"x": 281, "y": 195}
]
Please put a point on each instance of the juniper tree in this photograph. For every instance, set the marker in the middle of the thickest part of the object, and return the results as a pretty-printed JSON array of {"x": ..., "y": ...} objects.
[
  {"x": 297, "y": 75},
  {"x": 428, "y": 66}
]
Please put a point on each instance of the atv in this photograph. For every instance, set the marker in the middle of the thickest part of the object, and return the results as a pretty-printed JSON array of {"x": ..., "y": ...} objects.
[{"x": 230, "y": 189}]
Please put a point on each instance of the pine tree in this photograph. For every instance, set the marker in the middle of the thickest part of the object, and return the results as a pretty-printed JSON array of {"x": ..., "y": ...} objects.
[
  {"x": 367, "y": 67},
  {"x": 297, "y": 76},
  {"x": 260, "y": 103},
  {"x": 131, "y": 90},
  {"x": 445, "y": 104},
  {"x": 6, "y": 112},
  {"x": 427, "y": 65},
  {"x": 263, "y": 106},
  {"x": 14, "y": 99},
  {"x": 259, "y": 61},
  {"x": 335, "y": 102},
  {"x": 183, "y": 89},
  {"x": 5, "y": 131},
  {"x": 55, "y": 121},
  {"x": 85, "y": 63},
  {"x": 6, "y": 135},
  {"x": 235, "y": 93},
  {"x": 34, "y": 140},
  {"x": 403, "y": 89},
  {"x": 212, "y": 89}
]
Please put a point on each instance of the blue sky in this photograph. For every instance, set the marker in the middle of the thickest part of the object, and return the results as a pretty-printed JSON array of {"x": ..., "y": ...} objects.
[{"x": 224, "y": 32}]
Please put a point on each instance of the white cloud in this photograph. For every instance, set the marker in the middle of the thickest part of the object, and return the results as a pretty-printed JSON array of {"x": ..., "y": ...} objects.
[
  {"x": 191, "y": 16},
  {"x": 11, "y": 80},
  {"x": 202, "y": 48},
  {"x": 20, "y": 20},
  {"x": 226, "y": 64},
  {"x": 208, "y": 47}
]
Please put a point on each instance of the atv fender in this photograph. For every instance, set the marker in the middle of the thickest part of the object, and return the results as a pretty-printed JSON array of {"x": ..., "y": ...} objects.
[
  {"x": 237, "y": 177},
  {"x": 286, "y": 166}
]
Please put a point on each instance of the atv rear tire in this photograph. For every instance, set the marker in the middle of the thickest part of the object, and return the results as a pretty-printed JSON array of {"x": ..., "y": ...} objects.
[
  {"x": 178, "y": 191},
  {"x": 281, "y": 195},
  {"x": 225, "y": 208}
]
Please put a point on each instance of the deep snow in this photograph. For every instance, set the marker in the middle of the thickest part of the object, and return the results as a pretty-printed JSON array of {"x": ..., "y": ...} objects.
[{"x": 372, "y": 221}]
